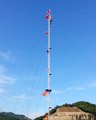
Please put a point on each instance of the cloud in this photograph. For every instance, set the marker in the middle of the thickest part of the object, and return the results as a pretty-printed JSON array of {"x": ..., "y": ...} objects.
[
  {"x": 29, "y": 89},
  {"x": 5, "y": 79},
  {"x": 76, "y": 88},
  {"x": 57, "y": 92},
  {"x": 2, "y": 69},
  {"x": 92, "y": 85},
  {"x": 2, "y": 90},
  {"x": 5, "y": 55},
  {"x": 21, "y": 97},
  {"x": 35, "y": 115},
  {"x": 89, "y": 85}
]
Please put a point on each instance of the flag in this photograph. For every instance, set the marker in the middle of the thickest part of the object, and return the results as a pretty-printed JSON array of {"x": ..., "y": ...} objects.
[
  {"x": 48, "y": 12},
  {"x": 44, "y": 93},
  {"x": 47, "y": 17},
  {"x": 46, "y": 33},
  {"x": 47, "y": 116}
]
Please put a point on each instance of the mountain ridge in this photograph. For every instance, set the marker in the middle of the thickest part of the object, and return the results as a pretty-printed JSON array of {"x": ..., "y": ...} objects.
[
  {"x": 82, "y": 105},
  {"x": 12, "y": 116}
]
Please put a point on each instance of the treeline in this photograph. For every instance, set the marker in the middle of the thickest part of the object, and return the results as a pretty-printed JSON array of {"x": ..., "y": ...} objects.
[
  {"x": 12, "y": 116},
  {"x": 84, "y": 106}
]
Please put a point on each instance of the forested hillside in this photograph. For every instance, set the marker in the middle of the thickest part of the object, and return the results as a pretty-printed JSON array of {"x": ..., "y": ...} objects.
[
  {"x": 12, "y": 116},
  {"x": 84, "y": 106}
]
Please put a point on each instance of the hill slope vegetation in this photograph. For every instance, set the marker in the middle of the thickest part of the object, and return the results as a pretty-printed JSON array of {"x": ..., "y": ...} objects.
[
  {"x": 12, "y": 116},
  {"x": 84, "y": 106}
]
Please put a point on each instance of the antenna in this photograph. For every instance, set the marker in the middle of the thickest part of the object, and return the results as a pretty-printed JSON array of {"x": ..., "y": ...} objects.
[
  {"x": 48, "y": 90},
  {"x": 49, "y": 50}
]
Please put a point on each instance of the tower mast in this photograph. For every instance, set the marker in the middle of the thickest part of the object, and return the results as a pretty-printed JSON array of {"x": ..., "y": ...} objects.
[
  {"x": 49, "y": 73},
  {"x": 48, "y": 90}
]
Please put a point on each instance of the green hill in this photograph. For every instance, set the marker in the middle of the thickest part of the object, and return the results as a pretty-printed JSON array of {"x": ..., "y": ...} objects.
[
  {"x": 12, "y": 116},
  {"x": 84, "y": 106}
]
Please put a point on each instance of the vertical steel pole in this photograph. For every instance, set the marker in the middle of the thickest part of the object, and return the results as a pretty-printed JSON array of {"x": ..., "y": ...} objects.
[{"x": 48, "y": 66}]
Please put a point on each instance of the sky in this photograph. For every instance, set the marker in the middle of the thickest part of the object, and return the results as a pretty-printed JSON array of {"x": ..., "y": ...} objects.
[{"x": 23, "y": 56}]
